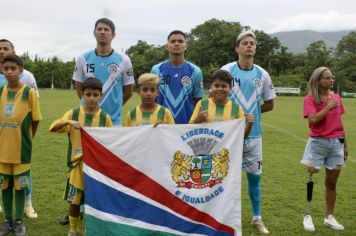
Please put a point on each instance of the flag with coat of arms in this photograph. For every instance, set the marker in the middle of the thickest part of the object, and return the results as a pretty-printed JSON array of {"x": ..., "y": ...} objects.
[{"x": 164, "y": 180}]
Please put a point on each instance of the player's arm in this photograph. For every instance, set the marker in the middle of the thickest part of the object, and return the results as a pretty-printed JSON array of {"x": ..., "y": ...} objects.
[
  {"x": 34, "y": 124},
  {"x": 79, "y": 88},
  {"x": 249, "y": 122},
  {"x": 62, "y": 123},
  {"x": 127, "y": 93},
  {"x": 267, "y": 106}
]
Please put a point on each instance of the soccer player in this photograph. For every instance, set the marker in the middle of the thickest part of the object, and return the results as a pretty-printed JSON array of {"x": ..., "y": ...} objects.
[
  {"x": 113, "y": 68},
  {"x": 88, "y": 115},
  {"x": 251, "y": 84},
  {"x": 326, "y": 145},
  {"x": 181, "y": 82},
  {"x": 149, "y": 112},
  {"x": 19, "y": 118},
  {"x": 26, "y": 77},
  {"x": 218, "y": 107}
]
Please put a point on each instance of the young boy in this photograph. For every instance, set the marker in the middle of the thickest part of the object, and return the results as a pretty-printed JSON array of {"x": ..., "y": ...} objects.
[
  {"x": 149, "y": 112},
  {"x": 218, "y": 107},
  {"x": 89, "y": 115},
  {"x": 19, "y": 118}
]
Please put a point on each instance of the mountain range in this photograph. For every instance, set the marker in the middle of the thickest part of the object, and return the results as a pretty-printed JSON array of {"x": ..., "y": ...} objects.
[{"x": 298, "y": 41}]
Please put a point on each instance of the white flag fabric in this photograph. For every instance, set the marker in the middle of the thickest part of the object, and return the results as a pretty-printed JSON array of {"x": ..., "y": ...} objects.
[{"x": 165, "y": 180}]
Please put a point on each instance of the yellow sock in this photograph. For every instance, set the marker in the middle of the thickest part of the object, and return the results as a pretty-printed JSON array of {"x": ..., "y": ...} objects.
[{"x": 74, "y": 223}]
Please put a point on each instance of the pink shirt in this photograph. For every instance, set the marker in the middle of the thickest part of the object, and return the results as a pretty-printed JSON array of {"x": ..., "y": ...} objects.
[{"x": 329, "y": 127}]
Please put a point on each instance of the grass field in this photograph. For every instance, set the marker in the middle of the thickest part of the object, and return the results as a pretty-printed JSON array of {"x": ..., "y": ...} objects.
[{"x": 284, "y": 179}]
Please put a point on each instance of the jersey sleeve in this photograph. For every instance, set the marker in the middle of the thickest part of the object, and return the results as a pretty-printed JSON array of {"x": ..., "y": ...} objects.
[
  {"x": 128, "y": 77},
  {"x": 66, "y": 128},
  {"x": 268, "y": 92},
  {"x": 308, "y": 106},
  {"x": 108, "y": 122},
  {"x": 78, "y": 74},
  {"x": 195, "y": 113},
  {"x": 241, "y": 112},
  {"x": 30, "y": 81},
  {"x": 168, "y": 119},
  {"x": 198, "y": 90},
  {"x": 127, "y": 122},
  {"x": 35, "y": 106}
]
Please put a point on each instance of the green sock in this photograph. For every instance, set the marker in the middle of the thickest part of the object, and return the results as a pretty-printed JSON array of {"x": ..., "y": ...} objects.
[
  {"x": 20, "y": 203},
  {"x": 7, "y": 195}
]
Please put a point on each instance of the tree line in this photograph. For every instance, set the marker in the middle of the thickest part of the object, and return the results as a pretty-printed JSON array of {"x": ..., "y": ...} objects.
[{"x": 211, "y": 45}]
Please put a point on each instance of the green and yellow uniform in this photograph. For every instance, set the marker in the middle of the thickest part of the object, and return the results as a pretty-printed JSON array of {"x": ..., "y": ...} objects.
[
  {"x": 217, "y": 112},
  {"x": 74, "y": 157},
  {"x": 136, "y": 117},
  {"x": 17, "y": 112}
]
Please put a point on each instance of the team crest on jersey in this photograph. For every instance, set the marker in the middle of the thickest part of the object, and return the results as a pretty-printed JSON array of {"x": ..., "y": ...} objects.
[
  {"x": 258, "y": 83},
  {"x": 186, "y": 81},
  {"x": 9, "y": 109},
  {"x": 203, "y": 169},
  {"x": 113, "y": 68}
]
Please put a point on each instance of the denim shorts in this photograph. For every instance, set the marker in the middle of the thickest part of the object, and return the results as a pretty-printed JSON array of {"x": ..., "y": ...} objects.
[{"x": 328, "y": 152}]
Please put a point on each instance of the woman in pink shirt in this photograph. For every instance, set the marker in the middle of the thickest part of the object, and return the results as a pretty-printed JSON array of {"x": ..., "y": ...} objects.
[{"x": 326, "y": 145}]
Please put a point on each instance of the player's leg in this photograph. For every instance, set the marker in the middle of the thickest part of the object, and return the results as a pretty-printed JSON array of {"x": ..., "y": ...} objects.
[
  {"x": 7, "y": 198},
  {"x": 333, "y": 163},
  {"x": 252, "y": 164},
  {"x": 308, "y": 220},
  {"x": 29, "y": 211},
  {"x": 7, "y": 185},
  {"x": 21, "y": 183},
  {"x": 76, "y": 197}
]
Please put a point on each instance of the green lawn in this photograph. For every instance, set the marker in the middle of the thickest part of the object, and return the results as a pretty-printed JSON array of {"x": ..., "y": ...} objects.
[{"x": 284, "y": 179}]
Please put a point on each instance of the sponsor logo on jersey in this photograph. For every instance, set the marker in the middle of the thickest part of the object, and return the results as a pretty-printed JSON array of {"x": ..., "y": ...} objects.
[
  {"x": 186, "y": 81},
  {"x": 130, "y": 72}
]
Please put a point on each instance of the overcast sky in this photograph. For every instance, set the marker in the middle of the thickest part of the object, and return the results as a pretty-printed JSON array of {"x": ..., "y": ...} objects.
[{"x": 64, "y": 28}]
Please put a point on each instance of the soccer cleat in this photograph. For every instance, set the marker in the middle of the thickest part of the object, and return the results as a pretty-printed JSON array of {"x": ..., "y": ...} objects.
[
  {"x": 308, "y": 223},
  {"x": 6, "y": 227},
  {"x": 71, "y": 233},
  {"x": 332, "y": 223},
  {"x": 30, "y": 212},
  {"x": 64, "y": 220},
  {"x": 20, "y": 229},
  {"x": 258, "y": 224}
]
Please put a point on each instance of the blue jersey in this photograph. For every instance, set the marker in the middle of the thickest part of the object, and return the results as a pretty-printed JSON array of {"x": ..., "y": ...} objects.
[
  {"x": 178, "y": 87},
  {"x": 3, "y": 80},
  {"x": 114, "y": 71},
  {"x": 249, "y": 87}
]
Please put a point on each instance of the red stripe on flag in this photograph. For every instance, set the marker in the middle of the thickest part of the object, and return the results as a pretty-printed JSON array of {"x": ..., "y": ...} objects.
[{"x": 104, "y": 161}]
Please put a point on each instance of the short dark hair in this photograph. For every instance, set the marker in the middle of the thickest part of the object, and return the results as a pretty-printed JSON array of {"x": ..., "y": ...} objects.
[
  {"x": 15, "y": 59},
  {"x": 105, "y": 21},
  {"x": 222, "y": 75},
  {"x": 92, "y": 83},
  {"x": 176, "y": 32},
  {"x": 7, "y": 41}
]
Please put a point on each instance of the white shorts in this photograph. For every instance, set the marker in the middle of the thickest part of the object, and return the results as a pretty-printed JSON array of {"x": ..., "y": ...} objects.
[{"x": 252, "y": 156}]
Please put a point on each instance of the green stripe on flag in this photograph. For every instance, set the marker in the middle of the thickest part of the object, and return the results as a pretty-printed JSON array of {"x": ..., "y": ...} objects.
[{"x": 95, "y": 226}]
